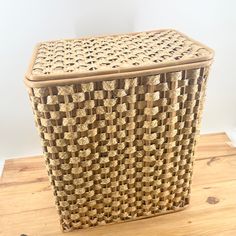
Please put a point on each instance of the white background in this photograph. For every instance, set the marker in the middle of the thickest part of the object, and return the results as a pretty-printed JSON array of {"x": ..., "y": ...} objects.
[{"x": 26, "y": 22}]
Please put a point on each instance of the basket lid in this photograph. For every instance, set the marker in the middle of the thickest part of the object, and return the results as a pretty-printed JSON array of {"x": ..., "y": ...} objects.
[{"x": 94, "y": 56}]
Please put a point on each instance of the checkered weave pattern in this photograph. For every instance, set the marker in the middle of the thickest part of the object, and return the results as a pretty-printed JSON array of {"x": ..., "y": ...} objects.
[{"x": 120, "y": 149}]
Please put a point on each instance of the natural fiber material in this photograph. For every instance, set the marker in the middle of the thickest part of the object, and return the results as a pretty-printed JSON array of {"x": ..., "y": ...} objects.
[
  {"x": 112, "y": 54},
  {"x": 119, "y": 149},
  {"x": 94, "y": 54}
]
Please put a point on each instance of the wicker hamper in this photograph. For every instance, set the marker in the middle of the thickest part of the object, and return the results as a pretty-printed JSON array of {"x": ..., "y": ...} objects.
[{"x": 119, "y": 117}]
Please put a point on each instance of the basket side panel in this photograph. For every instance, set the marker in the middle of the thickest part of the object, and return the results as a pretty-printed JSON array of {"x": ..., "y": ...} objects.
[{"x": 121, "y": 149}]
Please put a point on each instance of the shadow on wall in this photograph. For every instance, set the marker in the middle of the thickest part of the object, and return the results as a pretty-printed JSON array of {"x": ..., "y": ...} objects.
[{"x": 105, "y": 17}]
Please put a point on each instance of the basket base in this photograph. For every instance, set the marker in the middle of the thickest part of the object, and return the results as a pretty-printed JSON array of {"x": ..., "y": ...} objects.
[{"x": 132, "y": 219}]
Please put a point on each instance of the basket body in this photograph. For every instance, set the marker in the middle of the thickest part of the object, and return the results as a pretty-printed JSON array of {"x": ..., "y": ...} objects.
[{"x": 120, "y": 149}]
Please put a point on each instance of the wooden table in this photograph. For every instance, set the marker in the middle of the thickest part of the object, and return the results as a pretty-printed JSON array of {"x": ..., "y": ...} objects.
[{"x": 27, "y": 206}]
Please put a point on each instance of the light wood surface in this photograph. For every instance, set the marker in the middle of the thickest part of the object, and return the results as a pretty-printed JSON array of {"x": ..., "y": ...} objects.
[{"x": 27, "y": 207}]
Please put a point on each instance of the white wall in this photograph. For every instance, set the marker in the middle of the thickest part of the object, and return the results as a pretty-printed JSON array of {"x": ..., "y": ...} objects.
[{"x": 26, "y": 22}]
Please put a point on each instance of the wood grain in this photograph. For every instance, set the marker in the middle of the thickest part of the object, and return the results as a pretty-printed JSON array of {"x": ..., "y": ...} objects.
[{"x": 26, "y": 201}]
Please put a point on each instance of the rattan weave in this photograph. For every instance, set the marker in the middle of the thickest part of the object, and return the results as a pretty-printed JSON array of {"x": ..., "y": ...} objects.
[
  {"x": 124, "y": 51},
  {"x": 119, "y": 148}
]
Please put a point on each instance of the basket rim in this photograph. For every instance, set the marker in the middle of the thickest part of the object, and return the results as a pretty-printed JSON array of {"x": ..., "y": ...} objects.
[
  {"x": 103, "y": 77},
  {"x": 52, "y": 79}
]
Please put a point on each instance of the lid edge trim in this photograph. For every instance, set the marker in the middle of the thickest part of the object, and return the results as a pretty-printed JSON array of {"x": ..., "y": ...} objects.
[{"x": 58, "y": 82}]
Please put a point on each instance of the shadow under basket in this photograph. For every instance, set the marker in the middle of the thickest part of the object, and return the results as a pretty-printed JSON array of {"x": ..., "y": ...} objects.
[{"x": 119, "y": 117}]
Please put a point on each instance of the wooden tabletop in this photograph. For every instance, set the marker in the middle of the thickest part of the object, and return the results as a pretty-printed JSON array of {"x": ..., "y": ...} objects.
[{"x": 27, "y": 205}]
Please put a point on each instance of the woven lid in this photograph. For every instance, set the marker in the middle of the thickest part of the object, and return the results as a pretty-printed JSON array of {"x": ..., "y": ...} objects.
[{"x": 93, "y": 56}]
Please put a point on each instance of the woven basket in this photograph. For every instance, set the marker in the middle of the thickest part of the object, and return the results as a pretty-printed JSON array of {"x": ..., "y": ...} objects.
[{"x": 119, "y": 117}]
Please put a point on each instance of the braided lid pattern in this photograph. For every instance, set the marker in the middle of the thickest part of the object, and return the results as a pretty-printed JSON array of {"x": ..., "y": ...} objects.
[{"x": 113, "y": 54}]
